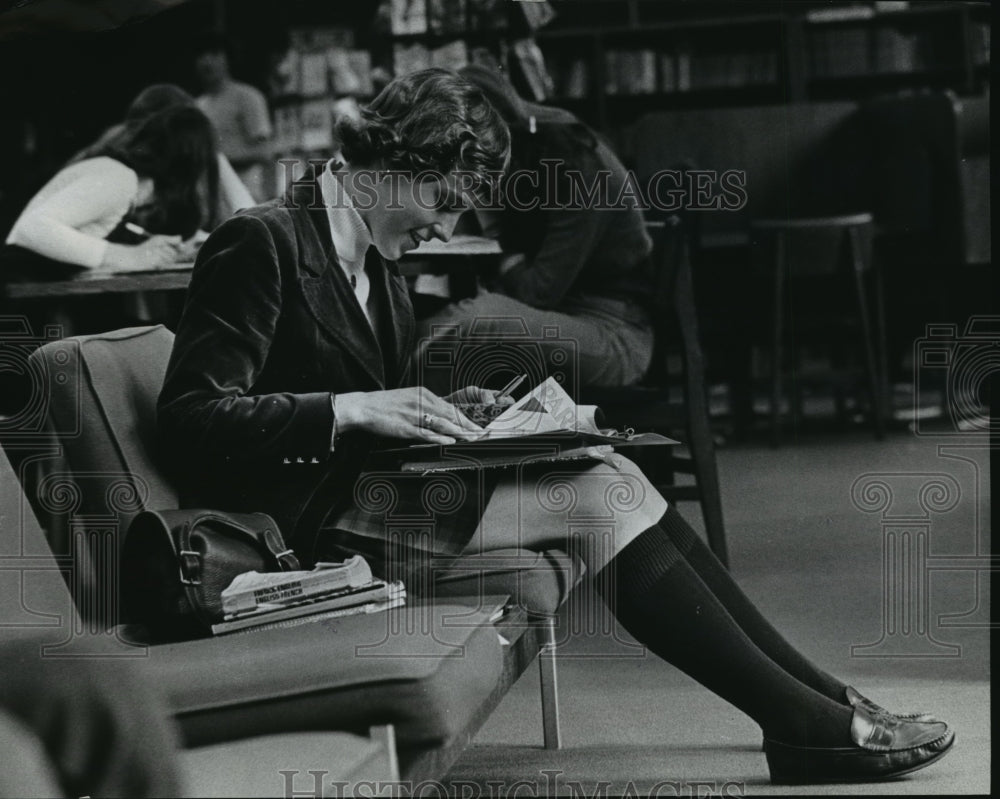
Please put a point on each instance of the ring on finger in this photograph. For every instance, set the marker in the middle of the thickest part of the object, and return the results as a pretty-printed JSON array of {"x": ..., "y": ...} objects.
[{"x": 428, "y": 420}]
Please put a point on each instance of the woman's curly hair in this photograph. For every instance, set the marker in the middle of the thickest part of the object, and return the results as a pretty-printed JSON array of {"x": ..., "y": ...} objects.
[{"x": 432, "y": 119}]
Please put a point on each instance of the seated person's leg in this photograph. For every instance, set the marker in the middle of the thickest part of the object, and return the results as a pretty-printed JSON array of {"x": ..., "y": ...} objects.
[
  {"x": 662, "y": 600},
  {"x": 588, "y": 350},
  {"x": 592, "y": 508}
]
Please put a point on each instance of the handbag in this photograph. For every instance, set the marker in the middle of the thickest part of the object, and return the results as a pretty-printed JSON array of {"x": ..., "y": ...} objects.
[{"x": 176, "y": 563}]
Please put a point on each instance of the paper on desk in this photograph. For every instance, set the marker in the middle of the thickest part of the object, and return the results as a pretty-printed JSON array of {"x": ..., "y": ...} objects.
[{"x": 547, "y": 408}]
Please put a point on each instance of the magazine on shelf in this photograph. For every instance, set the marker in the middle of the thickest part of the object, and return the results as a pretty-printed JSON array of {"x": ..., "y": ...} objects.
[{"x": 544, "y": 425}]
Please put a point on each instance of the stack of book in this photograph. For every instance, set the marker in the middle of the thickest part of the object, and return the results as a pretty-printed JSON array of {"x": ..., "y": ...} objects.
[{"x": 255, "y": 600}]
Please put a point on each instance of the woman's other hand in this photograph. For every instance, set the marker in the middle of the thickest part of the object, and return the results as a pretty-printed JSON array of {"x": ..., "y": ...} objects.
[
  {"x": 409, "y": 413},
  {"x": 473, "y": 395},
  {"x": 155, "y": 252},
  {"x": 188, "y": 249}
]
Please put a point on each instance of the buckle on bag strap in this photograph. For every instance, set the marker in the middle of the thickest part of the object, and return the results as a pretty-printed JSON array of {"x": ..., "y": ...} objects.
[
  {"x": 190, "y": 567},
  {"x": 285, "y": 557}
]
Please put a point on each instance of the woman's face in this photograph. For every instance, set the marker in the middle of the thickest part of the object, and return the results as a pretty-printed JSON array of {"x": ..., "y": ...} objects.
[{"x": 401, "y": 212}]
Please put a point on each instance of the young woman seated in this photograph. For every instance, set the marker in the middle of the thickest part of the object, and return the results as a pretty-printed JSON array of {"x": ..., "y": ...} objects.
[{"x": 290, "y": 365}]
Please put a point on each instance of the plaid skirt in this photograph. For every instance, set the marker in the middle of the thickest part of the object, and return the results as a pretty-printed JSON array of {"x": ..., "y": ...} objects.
[{"x": 408, "y": 526}]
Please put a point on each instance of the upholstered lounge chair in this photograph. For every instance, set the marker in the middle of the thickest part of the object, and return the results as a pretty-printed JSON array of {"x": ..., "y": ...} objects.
[{"x": 91, "y": 469}]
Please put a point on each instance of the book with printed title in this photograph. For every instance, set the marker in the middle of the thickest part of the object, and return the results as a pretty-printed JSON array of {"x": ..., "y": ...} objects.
[{"x": 375, "y": 596}]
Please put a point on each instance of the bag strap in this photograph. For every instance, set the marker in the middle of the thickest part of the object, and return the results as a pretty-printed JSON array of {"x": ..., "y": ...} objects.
[
  {"x": 266, "y": 531},
  {"x": 178, "y": 525}
]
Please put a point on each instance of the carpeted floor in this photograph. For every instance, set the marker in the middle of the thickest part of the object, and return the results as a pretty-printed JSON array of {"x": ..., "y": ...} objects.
[{"x": 810, "y": 553}]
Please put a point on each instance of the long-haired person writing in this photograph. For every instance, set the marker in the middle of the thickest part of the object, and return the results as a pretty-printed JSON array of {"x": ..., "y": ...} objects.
[
  {"x": 232, "y": 194},
  {"x": 130, "y": 206}
]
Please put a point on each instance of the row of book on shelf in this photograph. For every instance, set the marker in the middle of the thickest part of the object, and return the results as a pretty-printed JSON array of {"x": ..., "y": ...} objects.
[
  {"x": 409, "y": 57},
  {"x": 407, "y": 17},
  {"x": 647, "y": 71},
  {"x": 322, "y": 61},
  {"x": 844, "y": 52},
  {"x": 523, "y": 54}
]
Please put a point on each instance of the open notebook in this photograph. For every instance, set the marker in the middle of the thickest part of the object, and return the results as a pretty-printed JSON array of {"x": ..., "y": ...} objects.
[{"x": 544, "y": 425}]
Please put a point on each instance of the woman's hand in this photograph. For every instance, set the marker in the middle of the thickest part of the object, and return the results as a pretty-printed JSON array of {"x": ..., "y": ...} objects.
[
  {"x": 187, "y": 251},
  {"x": 410, "y": 413},
  {"x": 473, "y": 395},
  {"x": 155, "y": 252}
]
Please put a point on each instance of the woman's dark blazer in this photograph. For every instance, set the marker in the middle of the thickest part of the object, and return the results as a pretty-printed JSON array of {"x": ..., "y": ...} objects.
[{"x": 270, "y": 329}]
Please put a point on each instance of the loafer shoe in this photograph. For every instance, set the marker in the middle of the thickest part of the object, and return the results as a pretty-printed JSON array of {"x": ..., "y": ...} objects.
[
  {"x": 884, "y": 747},
  {"x": 855, "y": 699}
]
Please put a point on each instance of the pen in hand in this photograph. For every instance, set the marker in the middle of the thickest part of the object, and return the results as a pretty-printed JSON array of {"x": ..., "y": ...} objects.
[{"x": 506, "y": 390}]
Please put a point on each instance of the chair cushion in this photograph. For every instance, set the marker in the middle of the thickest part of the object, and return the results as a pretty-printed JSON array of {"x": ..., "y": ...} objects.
[{"x": 425, "y": 669}]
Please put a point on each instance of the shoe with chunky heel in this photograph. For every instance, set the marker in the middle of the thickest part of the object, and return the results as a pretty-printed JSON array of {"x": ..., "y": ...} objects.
[{"x": 884, "y": 747}]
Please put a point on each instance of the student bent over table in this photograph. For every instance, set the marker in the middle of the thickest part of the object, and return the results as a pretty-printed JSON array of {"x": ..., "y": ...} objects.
[{"x": 577, "y": 254}]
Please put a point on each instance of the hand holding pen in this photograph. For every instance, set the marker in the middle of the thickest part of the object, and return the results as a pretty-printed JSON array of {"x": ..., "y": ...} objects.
[
  {"x": 505, "y": 392},
  {"x": 473, "y": 395},
  {"x": 155, "y": 252}
]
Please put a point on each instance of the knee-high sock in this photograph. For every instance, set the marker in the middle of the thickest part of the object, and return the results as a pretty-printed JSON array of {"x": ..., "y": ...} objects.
[
  {"x": 745, "y": 613},
  {"x": 659, "y": 599}
]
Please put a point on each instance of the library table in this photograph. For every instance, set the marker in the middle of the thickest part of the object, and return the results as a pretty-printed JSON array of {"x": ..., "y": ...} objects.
[{"x": 178, "y": 276}]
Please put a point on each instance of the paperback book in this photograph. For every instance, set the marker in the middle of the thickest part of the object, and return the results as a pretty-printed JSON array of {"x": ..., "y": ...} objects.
[
  {"x": 256, "y": 591},
  {"x": 376, "y": 595}
]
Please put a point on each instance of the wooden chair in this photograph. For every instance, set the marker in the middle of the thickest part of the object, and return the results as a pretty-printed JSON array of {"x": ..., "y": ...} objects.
[{"x": 650, "y": 405}]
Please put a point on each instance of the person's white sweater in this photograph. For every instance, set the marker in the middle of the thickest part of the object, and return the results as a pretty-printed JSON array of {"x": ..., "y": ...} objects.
[{"x": 69, "y": 218}]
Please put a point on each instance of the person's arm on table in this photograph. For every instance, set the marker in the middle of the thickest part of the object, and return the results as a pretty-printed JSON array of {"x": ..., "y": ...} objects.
[{"x": 51, "y": 228}]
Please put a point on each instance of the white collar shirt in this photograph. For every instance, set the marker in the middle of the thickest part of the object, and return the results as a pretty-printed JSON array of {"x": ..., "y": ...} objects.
[{"x": 351, "y": 237}]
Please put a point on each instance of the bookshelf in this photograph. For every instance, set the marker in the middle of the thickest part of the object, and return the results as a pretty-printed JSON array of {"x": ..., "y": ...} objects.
[
  {"x": 613, "y": 60},
  {"x": 338, "y": 57},
  {"x": 321, "y": 70}
]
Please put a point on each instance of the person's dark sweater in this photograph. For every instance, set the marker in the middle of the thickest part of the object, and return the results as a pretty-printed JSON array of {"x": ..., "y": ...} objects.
[{"x": 573, "y": 244}]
